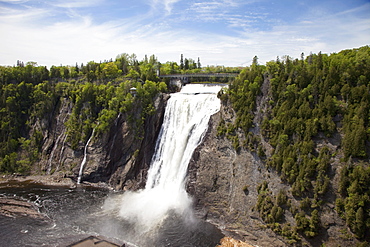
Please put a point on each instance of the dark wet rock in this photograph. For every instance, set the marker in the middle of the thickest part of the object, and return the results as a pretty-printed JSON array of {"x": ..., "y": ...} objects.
[{"x": 119, "y": 158}]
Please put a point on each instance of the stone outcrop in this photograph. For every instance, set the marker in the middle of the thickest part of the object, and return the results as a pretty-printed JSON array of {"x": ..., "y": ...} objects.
[{"x": 229, "y": 242}]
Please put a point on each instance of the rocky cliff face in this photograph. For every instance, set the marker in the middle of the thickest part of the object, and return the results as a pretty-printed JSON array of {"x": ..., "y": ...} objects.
[
  {"x": 120, "y": 157},
  {"x": 224, "y": 185}
]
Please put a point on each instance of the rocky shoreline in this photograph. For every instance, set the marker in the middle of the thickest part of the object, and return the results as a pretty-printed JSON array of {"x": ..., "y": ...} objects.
[{"x": 48, "y": 180}]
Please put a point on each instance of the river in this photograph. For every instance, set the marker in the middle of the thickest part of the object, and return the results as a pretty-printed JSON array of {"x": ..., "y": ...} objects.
[{"x": 72, "y": 214}]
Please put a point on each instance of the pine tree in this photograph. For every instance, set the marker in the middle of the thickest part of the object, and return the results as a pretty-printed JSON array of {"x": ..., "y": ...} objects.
[
  {"x": 198, "y": 64},
  {"x": 359, "y": 223},
  {"x": 186, "y": 66},
  {"x": 182, "y": 62}
]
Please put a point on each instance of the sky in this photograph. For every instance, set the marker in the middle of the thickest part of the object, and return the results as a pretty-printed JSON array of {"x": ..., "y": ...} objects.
[{"x": 219, "y": 32}]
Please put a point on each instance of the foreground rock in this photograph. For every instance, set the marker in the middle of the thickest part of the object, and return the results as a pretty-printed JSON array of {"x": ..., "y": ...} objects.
[
  {"x": 230, "y": 242},
  {"x": 16, "y": 208}
]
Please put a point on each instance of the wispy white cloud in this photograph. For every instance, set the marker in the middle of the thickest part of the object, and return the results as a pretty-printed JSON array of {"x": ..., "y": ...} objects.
[
  {"x": 76, "y": 3},
  {"x": 14, "y": 1},
  {"x": 228, "y": 13},
  {"x": 27, "y": 14},
  {"x": 166, "y": 4}
]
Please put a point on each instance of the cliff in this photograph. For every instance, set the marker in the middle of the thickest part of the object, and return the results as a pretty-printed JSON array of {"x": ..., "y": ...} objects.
[
  {"x": 225, "y": 184},
  {"x": 120, "y": 157},
  {"x": 285, "y": 161}
]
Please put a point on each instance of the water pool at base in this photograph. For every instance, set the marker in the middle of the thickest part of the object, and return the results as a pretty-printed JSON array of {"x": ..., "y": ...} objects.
[{"x": 74, "y": 214}]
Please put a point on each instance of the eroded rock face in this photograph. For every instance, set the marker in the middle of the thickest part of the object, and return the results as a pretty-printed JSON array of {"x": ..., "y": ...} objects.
[{"x": 131, "y": 173}]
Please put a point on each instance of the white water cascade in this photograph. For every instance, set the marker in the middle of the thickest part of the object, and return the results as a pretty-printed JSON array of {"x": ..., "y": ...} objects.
[
  {"x": 185, "y": 122},
  {"x": 85, "y": 158}
]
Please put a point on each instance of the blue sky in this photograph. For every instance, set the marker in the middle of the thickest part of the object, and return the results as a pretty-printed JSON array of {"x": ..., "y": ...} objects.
[{"x": 220, "y": 32}]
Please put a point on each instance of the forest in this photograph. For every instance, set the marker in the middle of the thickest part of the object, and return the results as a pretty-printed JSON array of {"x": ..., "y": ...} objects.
[{"x": 310, "y": 102}]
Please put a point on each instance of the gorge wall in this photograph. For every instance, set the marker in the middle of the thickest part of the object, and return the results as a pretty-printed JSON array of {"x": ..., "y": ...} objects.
[{"x": 286, "y": 160}]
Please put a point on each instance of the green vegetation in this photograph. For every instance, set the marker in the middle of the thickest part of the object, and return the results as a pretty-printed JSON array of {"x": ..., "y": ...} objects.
[
  {"x": 307, "y": 102},
  {"x": 271, "y": 209},
  {"x": 353, "y": 205},
  {"x": 97, "y": 92}
]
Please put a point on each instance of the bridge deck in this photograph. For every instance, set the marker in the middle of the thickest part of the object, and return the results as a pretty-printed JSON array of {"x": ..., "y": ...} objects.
[{"x": 200, "y": 75}]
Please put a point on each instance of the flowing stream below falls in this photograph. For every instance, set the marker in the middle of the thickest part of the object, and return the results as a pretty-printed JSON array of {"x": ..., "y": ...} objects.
[{"x": 159, "y": 215}]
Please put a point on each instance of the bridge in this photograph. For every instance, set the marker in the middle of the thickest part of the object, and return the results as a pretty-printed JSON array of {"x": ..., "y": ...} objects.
[
  {"x": 184, "y": 78},
  {"x": 200, "y": 75}
]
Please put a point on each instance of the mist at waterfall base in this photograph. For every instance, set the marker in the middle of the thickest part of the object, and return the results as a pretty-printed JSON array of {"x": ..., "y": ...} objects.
[
  {"x": 159, "y": 215},
  {"x": 164, "y": 206}
]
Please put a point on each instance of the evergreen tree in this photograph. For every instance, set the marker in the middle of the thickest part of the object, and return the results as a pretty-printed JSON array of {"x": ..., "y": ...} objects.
[{"x": 199, "y": 64}]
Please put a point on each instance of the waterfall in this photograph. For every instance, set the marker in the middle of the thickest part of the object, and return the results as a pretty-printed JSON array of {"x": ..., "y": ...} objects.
[
  {"x": 62, "y": 150},
  {"x": 85, "y": 158},
  {"x": 52, "y": 154},
  {"x": 115, "y": 134},
  {"x": 185, "y": 123},
  {"x": 56, "y": 144}
]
